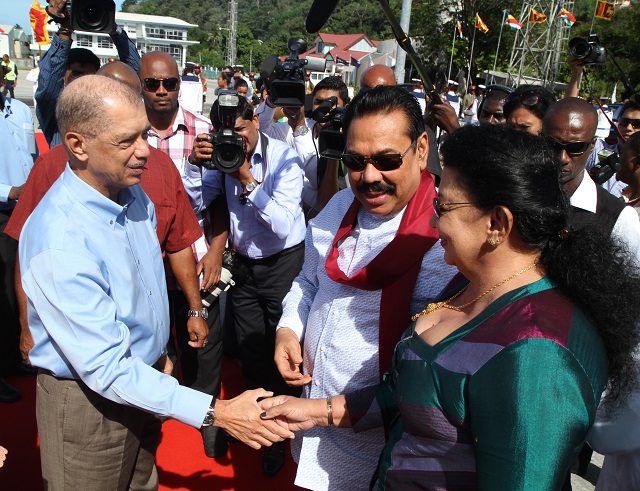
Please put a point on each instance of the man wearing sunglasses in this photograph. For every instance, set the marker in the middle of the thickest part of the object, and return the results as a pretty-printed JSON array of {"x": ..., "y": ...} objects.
[
  {"x": 370, "y": 259},
  {"x": 173, "y": 131}
]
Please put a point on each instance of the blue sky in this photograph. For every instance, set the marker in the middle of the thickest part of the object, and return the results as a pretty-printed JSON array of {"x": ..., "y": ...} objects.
[{"x": 18, "y": 13}]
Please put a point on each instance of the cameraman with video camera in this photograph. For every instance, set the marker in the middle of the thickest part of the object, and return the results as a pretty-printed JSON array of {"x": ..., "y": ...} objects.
[
  {"x": 61, "y": 64},
  {"x": 262, "y": 180}
]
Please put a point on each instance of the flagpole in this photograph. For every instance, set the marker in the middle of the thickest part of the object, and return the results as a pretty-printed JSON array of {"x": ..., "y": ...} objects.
[
  {"x": 453, "y": 44},
  {"x": 473, "y": 43},
  {"x": 495, "y": 61}
]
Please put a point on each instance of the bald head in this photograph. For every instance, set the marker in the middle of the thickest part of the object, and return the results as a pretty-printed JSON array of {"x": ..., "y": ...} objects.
[
  {"x": 154, "y": 60},
  {"x": 121, "y": 72},
  {"x": 377, "y": 75},
  {"x": 83, "y": 105},
  {"x": 572, "y": 112}
]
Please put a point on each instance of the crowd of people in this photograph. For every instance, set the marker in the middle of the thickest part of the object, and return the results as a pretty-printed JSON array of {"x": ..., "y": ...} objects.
[{"x": 452, "y": 302}]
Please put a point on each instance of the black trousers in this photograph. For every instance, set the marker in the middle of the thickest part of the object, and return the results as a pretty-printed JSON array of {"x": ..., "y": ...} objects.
[
  {"x": 9, "y": 323},
  {"x": 257, "y": 308},
  {"x": 198, "y": 368}
]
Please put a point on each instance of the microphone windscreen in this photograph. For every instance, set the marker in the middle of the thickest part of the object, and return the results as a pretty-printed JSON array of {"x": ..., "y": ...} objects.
[{"x": 319, "y": 14}]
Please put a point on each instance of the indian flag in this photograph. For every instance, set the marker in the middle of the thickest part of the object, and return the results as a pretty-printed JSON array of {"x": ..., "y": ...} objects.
[
  {"x": 512, "y": 22},
  {"x": 567, "y": 16}
]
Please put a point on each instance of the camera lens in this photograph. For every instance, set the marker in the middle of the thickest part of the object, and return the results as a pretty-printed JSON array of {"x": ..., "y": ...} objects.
[
  {"x": 92, "y": 14},
  {"x": 228, "y": 157}
]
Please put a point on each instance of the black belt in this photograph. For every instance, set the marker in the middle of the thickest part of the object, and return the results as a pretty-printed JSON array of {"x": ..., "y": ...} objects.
[{"x": 270, "y": 259}]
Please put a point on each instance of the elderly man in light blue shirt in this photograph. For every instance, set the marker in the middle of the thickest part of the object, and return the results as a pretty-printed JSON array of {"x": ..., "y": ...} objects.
[
  {"x": 97, "y": 305},
  {"x": 18, "y": 153},
  {"x": 267, "y": 235}
]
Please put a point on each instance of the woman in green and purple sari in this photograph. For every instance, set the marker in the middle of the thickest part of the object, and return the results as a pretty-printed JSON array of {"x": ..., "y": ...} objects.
[{"x": 495, "y": 386}]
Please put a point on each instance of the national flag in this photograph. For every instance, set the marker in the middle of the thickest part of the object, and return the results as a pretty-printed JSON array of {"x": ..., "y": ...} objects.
[
  {"x": 38, "y": 17},
  {"x": 512, "y": 22},
  {"x": 537, "y": 17},
  {"x": 605, "y": 10},
  {"x": 355, "y": 62},
  {"x": 482, "y": 27},
  {"x": 567, "y": 16},
  {"x": 459, "y": 26}
]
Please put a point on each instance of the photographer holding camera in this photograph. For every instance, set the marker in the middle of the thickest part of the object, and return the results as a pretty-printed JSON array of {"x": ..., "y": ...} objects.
[
  {"x": 262, "y": 181},
  {"x": 61, "y": 64},
  {"x": 302, "y": 133}
]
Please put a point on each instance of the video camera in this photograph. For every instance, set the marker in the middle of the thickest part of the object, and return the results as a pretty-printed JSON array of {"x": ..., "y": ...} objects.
[
  {"x": 229, "y": 148},
  {"x": 287, "y": 89},
  {"x": 90, "y": 15},
  {"x": 588, "y": 51},
  {"x": 331, "y": 141},
  {"x": 608, "y": 164}
]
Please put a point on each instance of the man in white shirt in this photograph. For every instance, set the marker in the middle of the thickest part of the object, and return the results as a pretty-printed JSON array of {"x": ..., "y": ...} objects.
[
  {"x": 570, "y": 125},
  {"x": 371, "y": 260},
  {"x": 301, "y": 133}
]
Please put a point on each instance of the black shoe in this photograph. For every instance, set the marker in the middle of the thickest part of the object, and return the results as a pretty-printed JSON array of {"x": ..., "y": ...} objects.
[
  {"x": 215, "y": 442},
  {"x": 8, "y": 393},
  {"x": 273, "y": 459},
  {"x": 23, "y": 369}
]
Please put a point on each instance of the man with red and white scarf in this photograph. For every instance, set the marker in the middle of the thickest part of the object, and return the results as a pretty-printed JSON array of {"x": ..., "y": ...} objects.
[{"x": 371, "y": 260}]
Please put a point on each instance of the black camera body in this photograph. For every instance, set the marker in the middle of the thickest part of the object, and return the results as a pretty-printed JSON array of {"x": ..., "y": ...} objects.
[
  {"x": 229, "y": 148},
  {"x": 287, "y": 89},
  {"x": 331, "y": 140},
  {"x": 588, "y": 51},
  {"x": 91, "y": 15},
  {"x": 233, "y": 272},
  {"x": 608, "y": 164}
]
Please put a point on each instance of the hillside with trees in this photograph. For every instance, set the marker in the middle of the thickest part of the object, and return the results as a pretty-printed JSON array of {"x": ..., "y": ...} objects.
[{"x": 265, "y": 25}]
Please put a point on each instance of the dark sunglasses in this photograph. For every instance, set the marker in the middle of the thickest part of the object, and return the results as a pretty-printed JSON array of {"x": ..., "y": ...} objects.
[
  {"x": 383, "y": 162},
  {"x": 572, "y": 148},
  {"x": 438, "y": 207},
  {"x": 153, "y": 84},
  {"x": 527, "y": 98},
  {"x": 628, "y": 121}
]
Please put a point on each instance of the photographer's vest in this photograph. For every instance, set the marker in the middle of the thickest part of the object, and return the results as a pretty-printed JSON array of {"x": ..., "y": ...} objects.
[
  {"x": 608, "y": 209},
  {"x": 11, "y": 75}
]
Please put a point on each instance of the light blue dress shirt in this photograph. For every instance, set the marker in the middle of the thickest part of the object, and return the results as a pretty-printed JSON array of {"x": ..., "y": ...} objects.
[
  {"x": 19, "y": 150},
  {"x": 97, "y": 297},
  {"x": 272, "y": 219}
]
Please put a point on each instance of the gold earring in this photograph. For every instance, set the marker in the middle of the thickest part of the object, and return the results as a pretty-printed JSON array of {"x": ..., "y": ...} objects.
[{"x": 491, "y": 241}]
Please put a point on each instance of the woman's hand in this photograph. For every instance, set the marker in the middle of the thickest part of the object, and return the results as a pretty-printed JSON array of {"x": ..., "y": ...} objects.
[{"x": 296, "y": 414}]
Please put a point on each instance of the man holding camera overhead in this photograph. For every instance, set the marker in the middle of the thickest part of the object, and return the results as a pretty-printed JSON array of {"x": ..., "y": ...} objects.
[
  {"x": 262, "y": 182},
  {"x": 173, "y": 131}
]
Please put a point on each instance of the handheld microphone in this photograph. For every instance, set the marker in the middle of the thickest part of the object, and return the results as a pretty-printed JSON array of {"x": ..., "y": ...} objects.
[{"x": 319, "y": 14}]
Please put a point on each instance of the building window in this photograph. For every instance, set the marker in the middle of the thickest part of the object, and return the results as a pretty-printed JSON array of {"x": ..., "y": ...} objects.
[
  {"x": 175, "y": 35},
  {"x": 155, "y": 32},
  {"x": 84, "y": 40},
  {"x": 105, "y": 43}
]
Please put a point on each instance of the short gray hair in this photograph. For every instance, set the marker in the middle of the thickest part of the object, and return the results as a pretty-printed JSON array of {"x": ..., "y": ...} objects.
[{"x": 82, "y": 106}]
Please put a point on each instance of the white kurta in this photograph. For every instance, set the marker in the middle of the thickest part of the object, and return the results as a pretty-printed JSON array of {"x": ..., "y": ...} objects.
[{"x": 341, "y": 338}]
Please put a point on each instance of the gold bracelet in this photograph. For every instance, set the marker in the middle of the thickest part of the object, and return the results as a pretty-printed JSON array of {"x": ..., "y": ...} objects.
[{"x": 329, "y": 412}]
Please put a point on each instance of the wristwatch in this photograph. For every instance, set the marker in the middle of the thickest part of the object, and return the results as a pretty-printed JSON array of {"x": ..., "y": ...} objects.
[
  {"x": 204, "y": 313},
  {"x": 250, "y": 187},
  {"x": 303, "y": 130},
  {"x": 210, "y": 417}
]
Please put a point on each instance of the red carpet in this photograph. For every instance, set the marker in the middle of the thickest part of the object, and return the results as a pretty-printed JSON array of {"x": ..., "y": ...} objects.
[{"x": 182, "y": 464}]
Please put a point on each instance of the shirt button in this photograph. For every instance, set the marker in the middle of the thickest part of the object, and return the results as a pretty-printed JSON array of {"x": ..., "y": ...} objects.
[
  {"x": 316, "y": 383},
  {"x": 149, "y": 292},
  {"x": 110, "y": 222}
]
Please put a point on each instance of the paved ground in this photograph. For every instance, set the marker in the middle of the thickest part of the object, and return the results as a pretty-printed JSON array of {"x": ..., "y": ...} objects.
[{"x": 24, "y": 92}]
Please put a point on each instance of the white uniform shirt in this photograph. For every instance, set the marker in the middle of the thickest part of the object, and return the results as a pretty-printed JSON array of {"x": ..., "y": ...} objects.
[{"x": 341, "y": 338}]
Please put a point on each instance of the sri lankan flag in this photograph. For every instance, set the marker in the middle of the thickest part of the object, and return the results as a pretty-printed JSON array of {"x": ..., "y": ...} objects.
[
  {"x": 482, "y": 27},
  {"x": 537, "y": 17},
  {"x": 605, "y": 10},
  {"x": 39, "y": 17}
]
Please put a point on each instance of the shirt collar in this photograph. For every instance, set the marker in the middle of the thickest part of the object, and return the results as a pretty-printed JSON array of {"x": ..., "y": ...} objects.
[
  {"x": 179, "y": 123},
  {"x": 108, "y": 211},
  {"x": 586, "y": 195}
]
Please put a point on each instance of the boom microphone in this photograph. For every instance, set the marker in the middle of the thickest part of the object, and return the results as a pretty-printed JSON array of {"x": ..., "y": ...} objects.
[{"x": 319, "y": 14}]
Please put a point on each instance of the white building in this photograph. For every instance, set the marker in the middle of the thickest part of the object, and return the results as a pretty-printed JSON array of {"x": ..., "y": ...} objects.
[
  {"x": 13, "y": 42},
  {"x": 148, "y": 32}
]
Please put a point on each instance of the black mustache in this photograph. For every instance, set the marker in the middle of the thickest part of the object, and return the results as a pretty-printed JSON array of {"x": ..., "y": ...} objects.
[{"x": 376, "y": 187}]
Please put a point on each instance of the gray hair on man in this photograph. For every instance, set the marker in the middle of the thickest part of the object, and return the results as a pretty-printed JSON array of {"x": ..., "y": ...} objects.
[{"x": 82, "y": 105}]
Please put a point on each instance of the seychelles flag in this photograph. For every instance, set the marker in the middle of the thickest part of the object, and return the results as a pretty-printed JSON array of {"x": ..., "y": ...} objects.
[
  {"x": 567, "y": 16},
  {"x": 512, "y": 22}
]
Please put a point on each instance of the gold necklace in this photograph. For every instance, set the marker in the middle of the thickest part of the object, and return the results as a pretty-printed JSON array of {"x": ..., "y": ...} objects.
[{"x": 432, "y": 307}]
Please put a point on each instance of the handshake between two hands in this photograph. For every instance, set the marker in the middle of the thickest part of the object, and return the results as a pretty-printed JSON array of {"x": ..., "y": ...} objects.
[{"x": 258, "y": 419}]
